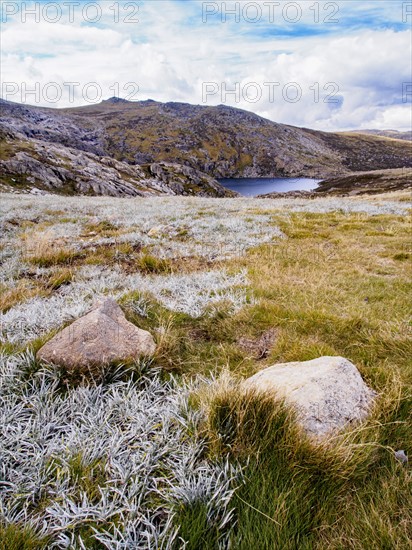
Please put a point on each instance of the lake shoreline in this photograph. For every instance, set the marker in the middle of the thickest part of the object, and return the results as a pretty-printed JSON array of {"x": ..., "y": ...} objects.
[
  {"x": 358, "y": 183},
  {"x": 254, "y": 187}
]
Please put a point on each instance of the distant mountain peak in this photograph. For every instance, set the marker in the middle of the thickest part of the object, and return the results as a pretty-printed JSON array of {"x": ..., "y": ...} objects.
[{"x": 115, "y": 100}]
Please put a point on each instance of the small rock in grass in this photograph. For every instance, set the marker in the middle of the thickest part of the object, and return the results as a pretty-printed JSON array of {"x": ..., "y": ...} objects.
[
  {"x": 259, "y": 347},
  {"x": 401, "y": 457},
  {"x": 100, "y": 337}
]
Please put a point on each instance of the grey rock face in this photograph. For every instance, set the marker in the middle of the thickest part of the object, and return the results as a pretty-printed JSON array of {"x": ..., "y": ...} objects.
[
  {"x": 184, "y": 180},
  {"x": 59, "y": 169},
  {"x": 102, "y": 336},
  {"x": 328, "y": 393}
]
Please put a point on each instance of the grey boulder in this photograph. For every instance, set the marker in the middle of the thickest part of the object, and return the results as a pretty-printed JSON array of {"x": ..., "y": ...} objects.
[
  {"x": 327, "y": 393},
  {"x": 100, "y": 337}
]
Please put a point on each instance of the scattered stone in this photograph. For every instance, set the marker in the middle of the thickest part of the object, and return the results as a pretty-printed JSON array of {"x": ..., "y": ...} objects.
[
  {"x": 328, "y": 393},
  {"x": 401, "y": 457},
  {"x": 100, "y": 337},
  {"x": 259, "y": 347}
]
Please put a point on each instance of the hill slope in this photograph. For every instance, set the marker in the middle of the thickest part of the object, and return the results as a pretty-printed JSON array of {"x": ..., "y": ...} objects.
[
  {"x": 30, "y": 164},
  {"x": 218, "y": 141},
  {"x": 394, "y": 134},
  {"x": 377, "y": 181},
  {"x": 356, "y": 183}
]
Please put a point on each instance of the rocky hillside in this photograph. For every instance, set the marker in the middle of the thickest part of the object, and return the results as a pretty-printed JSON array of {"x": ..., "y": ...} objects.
[
  {"x": 356, "y": 183},
  {"x": 121, "y": 148},
  {"x": 28, "y": 164},
  {"x": 377, "y": 181},
  {"x": 394, "y": 134}
]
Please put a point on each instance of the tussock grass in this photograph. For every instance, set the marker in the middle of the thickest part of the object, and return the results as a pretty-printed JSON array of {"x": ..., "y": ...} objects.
[
  {"x": 14, "y": 536},
  {"x": 51, "y": 258},
  {"x": 10, "y": 297},
  {"x": 85, "y": 475},
  {"x": 34, "y": 285},
  {"x": 147, "y": 263},
  {"x": 42, "y": 249},
  {"x": 296, "y": 490},
  {"x": 103, "y": 228},
  {"x": 59, "y": 278}
]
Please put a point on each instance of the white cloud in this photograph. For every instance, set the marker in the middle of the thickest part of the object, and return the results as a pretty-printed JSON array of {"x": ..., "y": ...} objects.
[{"x": 170, "y": 53}]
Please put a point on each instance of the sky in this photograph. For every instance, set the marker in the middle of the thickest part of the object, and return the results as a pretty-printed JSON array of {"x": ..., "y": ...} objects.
[{"x": 325, "y": 65}]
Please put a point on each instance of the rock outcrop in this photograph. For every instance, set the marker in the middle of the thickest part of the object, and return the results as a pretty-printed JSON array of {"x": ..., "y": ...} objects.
[
  {"x": 30, "y": 163},
  {"x": 328, "y": 393},
  {"x": 101, "y": 337}
]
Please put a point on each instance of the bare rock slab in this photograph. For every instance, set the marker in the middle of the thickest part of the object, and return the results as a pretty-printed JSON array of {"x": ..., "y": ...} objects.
[
  {"x": 328, "y": 393},
  {"x": 102, "y": 336}
]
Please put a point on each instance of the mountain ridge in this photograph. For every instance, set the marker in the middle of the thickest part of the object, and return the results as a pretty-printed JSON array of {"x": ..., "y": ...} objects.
[
  {"x": 213, "y": 142},
  {"x": 388, "y": 133}
]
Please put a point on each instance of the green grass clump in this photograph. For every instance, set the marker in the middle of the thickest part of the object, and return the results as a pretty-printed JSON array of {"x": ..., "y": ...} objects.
[
  {"x": 296, "y": 489},
  {"x": 147, "y": 263},
  {"x": 103, "y": 228},
  {"x": 14, "y": 536},
  {"x": 61, "y": 277},
  {"x": 86, "y": 475},
  {"x": 195, "y": 527},
  {"x": 54, "y": 258},
  {"x": 402, "y": 256}
]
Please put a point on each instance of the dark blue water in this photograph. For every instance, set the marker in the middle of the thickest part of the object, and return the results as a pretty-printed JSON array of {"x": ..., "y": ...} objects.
[{"x": 250, "y": 187}]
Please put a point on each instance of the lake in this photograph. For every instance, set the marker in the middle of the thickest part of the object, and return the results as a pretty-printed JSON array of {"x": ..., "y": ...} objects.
[{"x": 250, "y": 187}]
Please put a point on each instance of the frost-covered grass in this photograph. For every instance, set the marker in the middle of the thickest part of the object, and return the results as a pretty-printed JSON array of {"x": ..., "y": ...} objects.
[
  {"x": 214, "y": 228},
  {"x": 183, "y": 228},
  {"x": 109, "y": 463},
  {"x": 189, "y": 294},
  {"x": 145, "y": 463}
]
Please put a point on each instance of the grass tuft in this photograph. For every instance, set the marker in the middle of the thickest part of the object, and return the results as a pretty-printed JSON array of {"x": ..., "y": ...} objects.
[
  {"x": 14, "y": 536},
  {"x": 150, "y": 264},
  {"x": 61, "y": 277},
  {"x": 295, "y": 488}
]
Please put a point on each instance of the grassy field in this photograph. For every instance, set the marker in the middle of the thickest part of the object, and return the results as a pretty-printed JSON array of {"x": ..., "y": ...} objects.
[{"x": 171, "y": 453}]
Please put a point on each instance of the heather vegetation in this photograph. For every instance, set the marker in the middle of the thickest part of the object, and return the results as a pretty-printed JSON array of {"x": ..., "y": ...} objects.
[{"x": 173, "y": 452}]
